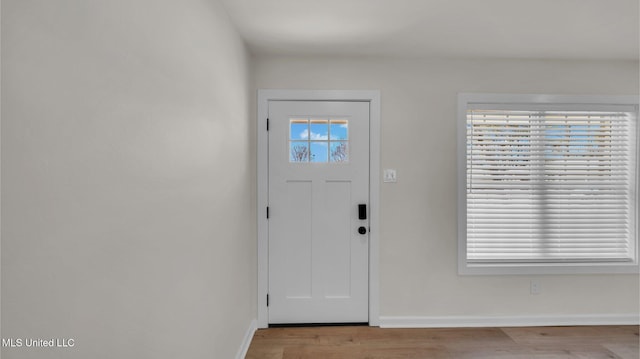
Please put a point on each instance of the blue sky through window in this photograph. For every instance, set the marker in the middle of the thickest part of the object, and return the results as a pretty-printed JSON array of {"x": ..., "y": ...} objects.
[
  {"x": 319, "y": 151},
  {"x": 339, "y": 130},
  {"x": 318, "y": 140}
]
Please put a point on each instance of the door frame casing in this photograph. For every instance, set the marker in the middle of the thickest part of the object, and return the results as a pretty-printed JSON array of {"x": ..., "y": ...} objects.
[{"x": 266, "y": 95}]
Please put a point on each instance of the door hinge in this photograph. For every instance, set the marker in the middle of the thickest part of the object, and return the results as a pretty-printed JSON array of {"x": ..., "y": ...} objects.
[
  {"x": 267, "y": 124},
  {"x": 267, "y": 212},
  {"x": 267, "y": 300}
]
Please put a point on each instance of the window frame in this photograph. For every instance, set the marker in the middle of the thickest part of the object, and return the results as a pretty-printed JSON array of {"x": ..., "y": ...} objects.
[
  {"x": 309, "y": 141},
  {"x": 566, "y": 102}
]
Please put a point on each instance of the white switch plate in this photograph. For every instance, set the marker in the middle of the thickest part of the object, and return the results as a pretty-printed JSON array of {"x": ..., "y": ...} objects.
[{"x": 390, "y": 175}]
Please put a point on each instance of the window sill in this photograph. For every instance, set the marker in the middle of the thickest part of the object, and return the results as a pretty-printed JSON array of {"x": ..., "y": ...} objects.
[{"x": 547, "y": 268}]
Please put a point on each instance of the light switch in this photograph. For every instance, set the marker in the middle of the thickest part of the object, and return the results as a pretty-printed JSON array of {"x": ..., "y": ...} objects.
[{"x": 390, "y": 175}]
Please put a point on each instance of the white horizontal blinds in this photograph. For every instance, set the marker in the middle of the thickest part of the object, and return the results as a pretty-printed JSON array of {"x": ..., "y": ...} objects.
[{"x": 549, "y": 186}]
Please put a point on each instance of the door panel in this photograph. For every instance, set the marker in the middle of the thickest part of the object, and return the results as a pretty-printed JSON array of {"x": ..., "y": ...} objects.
[
  {"x": 297, "y": 211},
  {"x": 338, "y": 242},
  {"x": 318, "y": 174}
]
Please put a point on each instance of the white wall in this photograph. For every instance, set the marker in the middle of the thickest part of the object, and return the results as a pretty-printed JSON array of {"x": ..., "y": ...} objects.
[
  {"x": 127, "y": 215},
  {"x": 418, "y": 268}
]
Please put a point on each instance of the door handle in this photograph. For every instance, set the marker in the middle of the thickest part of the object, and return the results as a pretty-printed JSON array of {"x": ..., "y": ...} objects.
[{"x": 362, "y": 211}]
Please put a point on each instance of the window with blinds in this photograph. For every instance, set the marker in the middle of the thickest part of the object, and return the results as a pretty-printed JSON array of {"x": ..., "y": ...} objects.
[{"x": 549, "y": 184}]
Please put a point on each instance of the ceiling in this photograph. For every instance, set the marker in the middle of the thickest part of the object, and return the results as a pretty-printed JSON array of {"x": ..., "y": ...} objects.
[{"x": 540, "y": 29}]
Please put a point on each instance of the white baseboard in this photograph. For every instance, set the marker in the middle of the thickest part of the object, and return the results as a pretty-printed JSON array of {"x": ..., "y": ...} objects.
[
  {"x": 246, "y": 341},
  {"x": 507, "y": 321}
]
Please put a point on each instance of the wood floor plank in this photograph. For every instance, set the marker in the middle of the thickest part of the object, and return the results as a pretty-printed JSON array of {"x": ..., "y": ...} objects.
[
  {"x": 624, "y": 351},
  {"x": 359, "y": 352},
  {"x": 588, "y": 342}
]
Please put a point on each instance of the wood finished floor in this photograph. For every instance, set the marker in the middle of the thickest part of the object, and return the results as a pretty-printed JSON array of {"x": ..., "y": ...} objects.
[{"x": 619, "y": 342}]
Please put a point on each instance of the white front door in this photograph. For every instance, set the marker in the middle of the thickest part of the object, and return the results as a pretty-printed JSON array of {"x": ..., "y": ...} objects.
[{"x": 318, "y": 223}]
